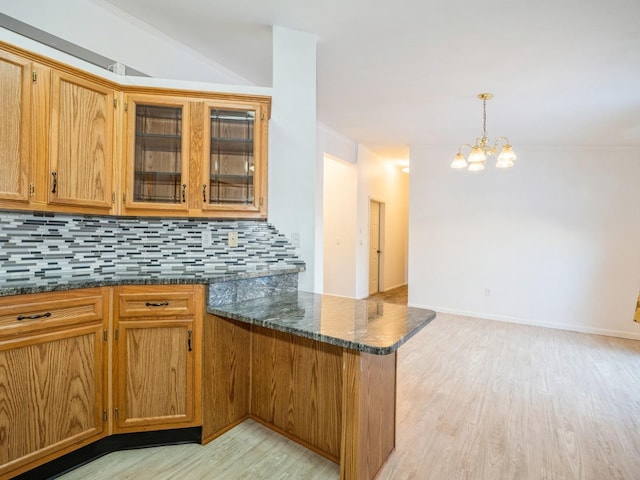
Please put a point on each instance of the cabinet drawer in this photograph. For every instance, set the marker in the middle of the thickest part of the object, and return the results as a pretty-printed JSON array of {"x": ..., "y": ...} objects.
[
  {"x": 37, "y": 311},
  {"x": 156, "y": 301}
]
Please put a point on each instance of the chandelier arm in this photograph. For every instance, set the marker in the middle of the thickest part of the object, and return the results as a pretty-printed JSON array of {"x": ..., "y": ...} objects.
[
  {"x": 506, "y": 141},
  {"x": 464, "y": 145}
]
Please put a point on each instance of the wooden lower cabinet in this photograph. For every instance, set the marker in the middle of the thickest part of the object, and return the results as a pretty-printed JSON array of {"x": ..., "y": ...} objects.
[
  {"x": 52, "y": 375},
  {"x": 157, "y": 357},
  {"x": 73, "y": 372},
  {"x": 338, "y": 402}
]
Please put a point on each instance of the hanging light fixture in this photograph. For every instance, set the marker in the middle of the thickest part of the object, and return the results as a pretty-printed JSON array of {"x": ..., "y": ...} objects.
[{"x": 481, "y": 150}]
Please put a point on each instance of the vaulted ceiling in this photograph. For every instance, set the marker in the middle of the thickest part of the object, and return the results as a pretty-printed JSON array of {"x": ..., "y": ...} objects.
[{"x": 394, "y": 73}]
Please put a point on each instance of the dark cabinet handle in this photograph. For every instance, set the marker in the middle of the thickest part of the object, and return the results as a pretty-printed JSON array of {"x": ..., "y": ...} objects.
[
  {"x": 204, "y": 192},
  {"x": 189, "y": 340},
  {"x": 184, "y": 192},
  {"x": 33, "y": 317},
  {"x": 161, "y": 304},
  {"x": 55, "y": 181}
]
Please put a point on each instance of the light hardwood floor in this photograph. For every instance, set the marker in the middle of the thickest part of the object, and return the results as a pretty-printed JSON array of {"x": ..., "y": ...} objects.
[
  {"x": 477, "y": 399},
  {"x": 396, "y": 295}
]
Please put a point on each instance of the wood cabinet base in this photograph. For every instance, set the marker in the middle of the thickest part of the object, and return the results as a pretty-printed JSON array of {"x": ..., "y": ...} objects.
[
  {"x": 111, "y": 444},
  {"x": 340, "y": 403}
]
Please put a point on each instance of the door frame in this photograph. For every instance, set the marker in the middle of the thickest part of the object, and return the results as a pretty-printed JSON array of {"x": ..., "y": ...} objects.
[{"x": 381, "y": 241}]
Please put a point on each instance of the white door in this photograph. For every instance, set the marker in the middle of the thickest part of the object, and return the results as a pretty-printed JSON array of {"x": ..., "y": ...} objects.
[{"x": 374, "y": 247}]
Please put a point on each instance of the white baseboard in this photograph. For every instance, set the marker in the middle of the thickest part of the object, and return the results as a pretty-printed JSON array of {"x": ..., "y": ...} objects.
[{"x": 536, "y": 323}]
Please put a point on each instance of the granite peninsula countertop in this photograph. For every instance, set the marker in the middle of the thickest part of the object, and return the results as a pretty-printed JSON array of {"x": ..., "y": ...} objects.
[
  {"x": 364, "y": 325},
  {"x": 181, "y": 276}
]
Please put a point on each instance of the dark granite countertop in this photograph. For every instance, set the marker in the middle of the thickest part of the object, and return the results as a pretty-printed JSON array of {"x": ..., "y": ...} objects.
[
  {"x": 363, "y": 325},
  {"x": 141, "y": 277}
]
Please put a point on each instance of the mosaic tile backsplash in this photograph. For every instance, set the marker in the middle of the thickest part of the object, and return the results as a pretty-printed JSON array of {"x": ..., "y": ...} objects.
[{"x": 44, "y": 249}]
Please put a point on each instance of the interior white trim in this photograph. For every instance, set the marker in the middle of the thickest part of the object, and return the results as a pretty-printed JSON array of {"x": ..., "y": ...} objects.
[{"x": 536, "y": 323}]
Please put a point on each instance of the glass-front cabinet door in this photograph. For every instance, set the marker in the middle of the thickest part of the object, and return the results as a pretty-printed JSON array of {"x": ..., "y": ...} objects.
[
  {"x": 157, "y": 154},
  {"x": 233, "y": 176}
]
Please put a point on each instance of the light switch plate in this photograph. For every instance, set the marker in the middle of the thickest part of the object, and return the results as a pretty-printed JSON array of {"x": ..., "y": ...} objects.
[
  {"x": 232, "y": 239},
  {"x": 207, "y": 240}
]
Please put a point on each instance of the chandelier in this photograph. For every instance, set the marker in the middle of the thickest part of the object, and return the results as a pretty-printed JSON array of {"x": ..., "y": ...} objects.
[{"x": 481, "y": 150}]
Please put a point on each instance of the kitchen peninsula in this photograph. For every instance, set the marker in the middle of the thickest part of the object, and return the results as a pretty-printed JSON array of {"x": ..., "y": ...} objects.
[{"x": 317, "y": 368}]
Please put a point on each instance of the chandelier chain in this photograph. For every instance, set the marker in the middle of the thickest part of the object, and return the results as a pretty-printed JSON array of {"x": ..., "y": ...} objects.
[{"x": 484, "y": 118}]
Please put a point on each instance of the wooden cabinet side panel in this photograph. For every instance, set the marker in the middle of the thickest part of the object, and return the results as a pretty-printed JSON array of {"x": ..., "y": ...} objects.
[
  {"x": 82, "y": 128},
  {"x": 15, "y": 105},
  {"x": 40, "y": 124},
  {"x": 262, "y": 164},
  {"x": 225, "y": 376},
  {"x": 296, "y": 386},
  {"x": 369, "y": 402},
  {"x": 264, "y": 368},
  {"x": 52, "y": 395},
  {"x": 351, "y": 442},
  {"x": 199, "y": 188},
  {"x": 317, "y": 408}
]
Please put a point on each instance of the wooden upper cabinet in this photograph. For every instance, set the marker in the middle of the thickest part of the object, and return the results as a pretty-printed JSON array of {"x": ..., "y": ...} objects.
[
  {"x": 156, "y": 173},
  {"x": 63, "y": 137},
  {"x": 234, "y": 163},
  {"x": 81, "y": 143},
  {"x": 15, "y": 105},
  {"x": 56, "y": 136},
  {"x": 196, "y": 157}
]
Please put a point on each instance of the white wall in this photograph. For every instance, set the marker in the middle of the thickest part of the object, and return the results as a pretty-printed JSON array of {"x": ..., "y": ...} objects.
[
  {"x": 380, "y": 180},
  {"x": 336, "y": 145},
  {"x": 340, "y": 226},
  {"x": 556, "y": 239},
  {"x": 292, "y": 143},
  {"x": 102, "y": 28}
]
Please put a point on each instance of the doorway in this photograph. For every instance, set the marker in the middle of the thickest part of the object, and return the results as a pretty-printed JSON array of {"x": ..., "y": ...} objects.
[{"x": 376, "y": 220}]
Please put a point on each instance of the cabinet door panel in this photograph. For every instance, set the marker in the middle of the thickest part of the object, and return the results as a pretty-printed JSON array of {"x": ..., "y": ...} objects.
[
  {"x": 81, "y": 143},
  {"x": 155, "y": 375},
  {"x": 234, "y": 164},
  {"x": 157, "y": 153},
  {"x": 15, "y": 76},
  {"x": 51, "y": 395}
]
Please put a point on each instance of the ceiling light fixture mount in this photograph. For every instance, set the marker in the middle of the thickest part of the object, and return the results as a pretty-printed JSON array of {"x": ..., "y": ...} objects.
[{"x": 481, "y": 150}]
